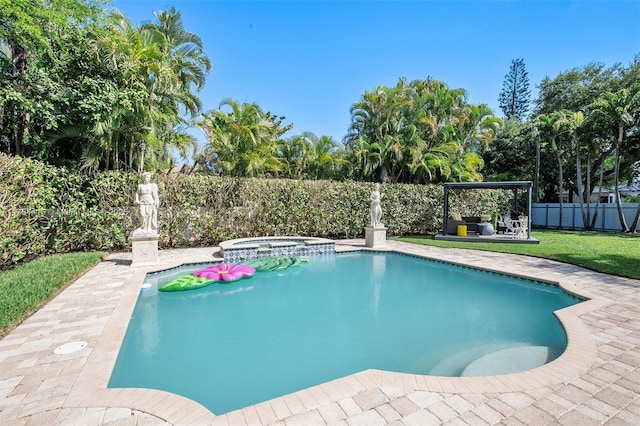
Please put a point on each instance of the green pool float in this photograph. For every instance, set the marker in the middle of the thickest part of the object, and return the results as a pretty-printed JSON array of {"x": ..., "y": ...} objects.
[
  {"x": 278, "y": 263},
  {"x": 186, "y": 282}
]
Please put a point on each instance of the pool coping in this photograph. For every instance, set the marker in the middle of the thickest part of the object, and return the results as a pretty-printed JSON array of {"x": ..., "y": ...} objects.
[{"x": 89, "y": 389}]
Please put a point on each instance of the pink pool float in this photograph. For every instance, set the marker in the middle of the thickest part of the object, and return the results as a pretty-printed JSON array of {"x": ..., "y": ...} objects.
[{"x": 225, "y": 272}]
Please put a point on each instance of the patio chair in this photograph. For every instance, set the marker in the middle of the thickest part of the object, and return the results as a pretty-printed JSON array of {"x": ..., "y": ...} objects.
[
  {"x": 502, "y": 223},
  {"x": 516, "y": 228},
  {"x": 523, "y": 226}
]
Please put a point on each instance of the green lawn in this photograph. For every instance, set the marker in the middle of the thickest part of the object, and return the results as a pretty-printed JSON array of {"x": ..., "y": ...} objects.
[
  {"x": 24, "y": 289},
  {"x": 611, "y": 253}
]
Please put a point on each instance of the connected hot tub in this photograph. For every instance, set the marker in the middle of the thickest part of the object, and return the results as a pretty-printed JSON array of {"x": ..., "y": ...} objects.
[{"x": 255, "y": 248}]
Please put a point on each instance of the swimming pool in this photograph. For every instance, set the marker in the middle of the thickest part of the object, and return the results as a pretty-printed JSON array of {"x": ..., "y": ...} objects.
[{"x": 229, "y": 346}]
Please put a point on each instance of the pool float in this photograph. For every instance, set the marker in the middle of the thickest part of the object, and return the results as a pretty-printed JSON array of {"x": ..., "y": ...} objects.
[
  {"x": 224, "y": 272},
  {"x": 279, "y": 263},
  {"x": 186, "y": 282}
]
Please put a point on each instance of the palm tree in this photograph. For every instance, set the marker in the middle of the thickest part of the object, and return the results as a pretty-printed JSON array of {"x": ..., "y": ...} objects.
[
  {"x": 551, "y": 127},
  {"x": 184, "y": 49},
  {"x": 294, "y": 153},
  {"x": 378, "y": 118},
  {"x": 363, "y": 158},
  {"x": 621, "y": 110},
  {"x": 328, "y": 159},
  {"x": 597, "y": 150},
  {"x": 160, "y": 65},
  {"x": 536, "y": 173},
  {"x": 572, "y": 121},
  {"x": 309, "y": 156},
  {"x": 420, "y": 131},
  {"x": 478, "y": 127},
  {"x": 244, "y": 141},
  {"x": 185, "y": 69},
  {"x": 187, "y": 65}
]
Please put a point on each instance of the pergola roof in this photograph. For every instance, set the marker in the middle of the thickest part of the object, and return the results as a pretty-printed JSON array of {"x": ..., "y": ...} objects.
[{"x": 489, "y": 185}]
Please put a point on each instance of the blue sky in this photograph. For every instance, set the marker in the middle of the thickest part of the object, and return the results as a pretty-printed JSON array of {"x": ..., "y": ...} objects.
[{"x": 311, "y": 60}]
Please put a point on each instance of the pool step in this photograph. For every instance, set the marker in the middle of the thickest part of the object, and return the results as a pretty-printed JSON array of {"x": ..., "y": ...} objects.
[
  {"x": 511, "y": 360},
  {"x": 494, "y": 359}
]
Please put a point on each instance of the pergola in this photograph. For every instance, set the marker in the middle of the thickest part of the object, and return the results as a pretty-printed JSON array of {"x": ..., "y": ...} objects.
[{"x": 513, "y": 185}]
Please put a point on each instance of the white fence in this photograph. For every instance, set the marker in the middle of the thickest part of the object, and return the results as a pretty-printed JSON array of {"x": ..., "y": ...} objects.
[{"x": 547, "y": 215}]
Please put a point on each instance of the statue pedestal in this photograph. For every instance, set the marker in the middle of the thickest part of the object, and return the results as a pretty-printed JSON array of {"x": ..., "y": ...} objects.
[
  {"x": 145, "y": 250},
  {"x": 375, "y": 236}
]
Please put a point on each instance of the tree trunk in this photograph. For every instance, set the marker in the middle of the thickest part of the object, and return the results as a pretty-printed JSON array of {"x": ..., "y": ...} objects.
[
  {"x": 23, "y": 132},
  {"x": 116, "y": 160},
  {"x": 15, "y": 148},
  {"x": 131, "y": 151},
  {"x": 600, "y": 182},
  {"x": 634, "y": 225},
  {"x": 585, "y": 219},
  {"x": 1, "y": 124},
  {"x": 536, "y": 177},
  {"x": 587, "y": 225},
  {"x": 560, "y": 190},
  {"x": 141, "y": 161},
  {"x": 19, "y": 69},
  {"x": 623, "y": 222}
]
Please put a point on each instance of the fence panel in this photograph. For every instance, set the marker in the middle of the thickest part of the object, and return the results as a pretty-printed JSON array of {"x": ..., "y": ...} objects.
[{"x": 547, "y": 215}]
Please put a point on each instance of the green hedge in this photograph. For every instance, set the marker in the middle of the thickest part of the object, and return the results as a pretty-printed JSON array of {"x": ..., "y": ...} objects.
[{"x": 47, "y": 210}]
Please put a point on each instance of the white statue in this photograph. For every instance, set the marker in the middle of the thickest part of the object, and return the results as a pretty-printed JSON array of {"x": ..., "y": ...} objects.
[
  {"x": 147, "y": 200},
  {"x": 376, "y": 209}
]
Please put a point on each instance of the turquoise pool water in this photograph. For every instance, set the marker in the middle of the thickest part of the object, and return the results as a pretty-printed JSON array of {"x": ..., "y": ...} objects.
[{"x": 234, "y": 345}]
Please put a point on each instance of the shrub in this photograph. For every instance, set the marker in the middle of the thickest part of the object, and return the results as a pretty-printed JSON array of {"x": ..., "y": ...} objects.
[
  {"x": 27, "y": 198},
  {"x": 48, "y": 210}
]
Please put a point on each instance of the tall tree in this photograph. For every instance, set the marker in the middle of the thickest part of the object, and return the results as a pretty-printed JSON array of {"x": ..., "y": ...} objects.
[
  {"x": 295, "y": 153},
  {"x": 78, "y": 85},
  {"x": 307, "y": 156},
  {"x": 621, "y": 111},
  {"x": 417, "y": 132},
  {"x": 327, "y": 159},
  {"x": 510, "y": 153},
  {"x": 572, "y": 122},
  {"x": 515, "y": 96},
  {"x": 577, "y": 90},
  {"x": 552, "y": 127},
  {"x": 244, "y": 141},
  {"x": 33, "y": 35},
  {"x": 160, "y": 67}
]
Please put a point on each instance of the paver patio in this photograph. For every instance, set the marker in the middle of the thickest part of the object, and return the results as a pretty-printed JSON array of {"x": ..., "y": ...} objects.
[{"x": 596, "y": 380}]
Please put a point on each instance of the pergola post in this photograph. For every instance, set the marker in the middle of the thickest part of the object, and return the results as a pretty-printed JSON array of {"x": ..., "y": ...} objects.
[
  {"x": 529, "y": 213},
  {"x": 446, "y": 209}
]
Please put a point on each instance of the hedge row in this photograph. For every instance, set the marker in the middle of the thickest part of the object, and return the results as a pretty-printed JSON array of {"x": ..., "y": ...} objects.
[{"x": 46, "y": 210}]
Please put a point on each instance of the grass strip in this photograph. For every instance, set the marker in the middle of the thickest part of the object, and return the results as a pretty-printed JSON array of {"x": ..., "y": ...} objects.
[
  {"x": 25, "y": 288},
  {"x": 610, "y": 253}
]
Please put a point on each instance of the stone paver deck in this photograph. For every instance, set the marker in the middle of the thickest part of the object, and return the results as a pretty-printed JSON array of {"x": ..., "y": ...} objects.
[{"x": 596, "y": 380}]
